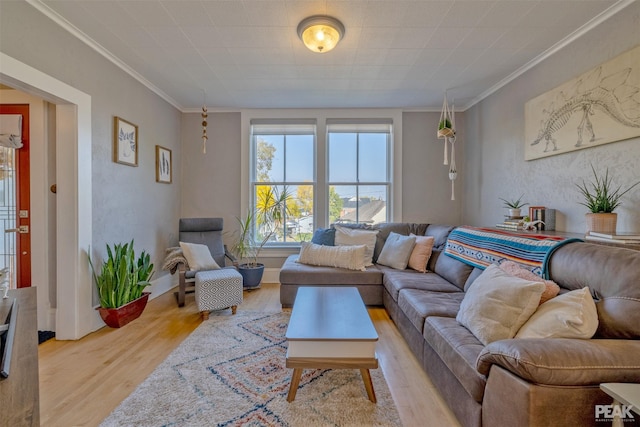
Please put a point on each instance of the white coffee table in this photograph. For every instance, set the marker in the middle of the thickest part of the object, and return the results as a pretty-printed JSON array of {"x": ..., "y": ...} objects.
[
  {"x": 623, "y": 393},
  {"x": 330, "y": 328}
]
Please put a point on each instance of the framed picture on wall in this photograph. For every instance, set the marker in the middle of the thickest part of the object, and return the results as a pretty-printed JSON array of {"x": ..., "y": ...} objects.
[
  {"x": 125, "y": 142},
  {"x": 163, "y": 165}
]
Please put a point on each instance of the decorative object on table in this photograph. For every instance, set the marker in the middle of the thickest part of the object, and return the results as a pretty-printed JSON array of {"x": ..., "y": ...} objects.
[
  {"x": 231, "y": 371},
  {"x": 164, "y": 165},
  {"x": 446, "y": 131},
  {"x": 601, "y": 197},
  {"x": 621, "y": 238},
  {"x": 125, "y": 142},
  {"x": 257, "y": 227},
  {"x": 544, "y": 218},
  {"x": 601, "y": 104},
  {"x": 204, "y": 123},
  {"x": 120, "y": 281},
  {"x": 514, "y": 206}
]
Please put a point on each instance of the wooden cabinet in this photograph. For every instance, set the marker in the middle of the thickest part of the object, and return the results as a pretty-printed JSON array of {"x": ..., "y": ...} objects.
[{"x": 19, "y": 395}]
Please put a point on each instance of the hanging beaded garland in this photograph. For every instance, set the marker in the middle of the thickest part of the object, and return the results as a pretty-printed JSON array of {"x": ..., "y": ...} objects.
[{"x": 204, "y": 129}]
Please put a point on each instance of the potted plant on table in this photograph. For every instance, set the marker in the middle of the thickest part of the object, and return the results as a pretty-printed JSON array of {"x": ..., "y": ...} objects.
[
  {"x": 257, "y": 228},
  {"x": 121, "y": 281},
  {"x": 514, "y": 205},
  {"x": 602, "y": 198}
]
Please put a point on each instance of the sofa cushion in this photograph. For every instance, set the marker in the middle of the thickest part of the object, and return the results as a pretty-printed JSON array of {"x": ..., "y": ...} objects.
[
  {"x": 294, "y": 273},
  {"x": 349, "y": 257},
  {"x": 440, "y": 234},
  {"x": 198, "y": 257},
  {"x": 563, "y": 361},
  {"x": 570, "y": 315},
  {"x": 612, "y": 274},
  {"x": 347, "y": 236},
  {"x": 451, "y": 269},
  {"x": 324, "y": 236},
  {"x": 396, "y": 251},
  {"x": 418, "y": 305},
  {"x": 497, "y": 304},
  {"x": 421, "y": 253},
  {"x": 514, "y": 269},
  {"x": 458, "y": 349},
  {"x": 386, "y": 228},
  {"x": 395, "y": 280}
]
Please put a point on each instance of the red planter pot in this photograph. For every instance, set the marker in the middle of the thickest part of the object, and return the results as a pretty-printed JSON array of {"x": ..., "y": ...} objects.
[{"x": 118, "y": 317}]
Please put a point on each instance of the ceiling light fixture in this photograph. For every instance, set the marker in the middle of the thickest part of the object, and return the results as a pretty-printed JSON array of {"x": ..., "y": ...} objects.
[{"x": 320, "y": 33}]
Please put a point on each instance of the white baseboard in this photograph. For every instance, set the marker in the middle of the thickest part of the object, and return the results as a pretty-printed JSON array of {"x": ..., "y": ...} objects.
[
  {"x": 161, "y": 285},
  {"x": 271, "y": 275}
]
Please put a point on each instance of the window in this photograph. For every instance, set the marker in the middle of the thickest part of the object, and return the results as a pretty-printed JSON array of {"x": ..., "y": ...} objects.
[
  {"x": 283, "y": 160},
  {"x": 359, "y": 176}
]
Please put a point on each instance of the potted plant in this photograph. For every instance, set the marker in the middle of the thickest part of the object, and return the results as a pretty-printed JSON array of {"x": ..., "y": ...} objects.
[
  {"x": 514, "y": 205},
  {"x": 602, "y": 198},
  {"x": 120, "y": 282},
  {"x": 257, "y": 228}
]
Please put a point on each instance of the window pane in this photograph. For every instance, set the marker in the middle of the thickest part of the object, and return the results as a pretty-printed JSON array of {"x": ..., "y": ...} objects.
[
  {"x": 372, "y": 204},
  {"x": 269, "y": 158},
  {"x": 299, "y": 158},
  {"x": 300, "y": 224},
  {"x": 342, "y": 157},
  {"x": 373, "y": 157},
  {"x": 344, "y": 206}
]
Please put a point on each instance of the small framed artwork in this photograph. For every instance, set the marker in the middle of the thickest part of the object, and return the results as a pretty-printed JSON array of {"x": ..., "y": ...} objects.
[
  {"x": 163, "y": 165},
  {"x": 125, "y": 142}
]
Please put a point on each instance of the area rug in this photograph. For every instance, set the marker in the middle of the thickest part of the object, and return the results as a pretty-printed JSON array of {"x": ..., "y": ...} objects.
[{"x": 231, "y": 372}]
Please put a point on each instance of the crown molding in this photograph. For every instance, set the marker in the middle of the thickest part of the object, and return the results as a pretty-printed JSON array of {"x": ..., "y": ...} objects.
[
  {"x": 608, "y": 13},
  {"x": 55, "y": 17}
]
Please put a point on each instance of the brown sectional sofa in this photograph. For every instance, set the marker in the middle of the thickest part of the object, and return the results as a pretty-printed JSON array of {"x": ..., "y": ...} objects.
[{"x": 514, "y": 382}]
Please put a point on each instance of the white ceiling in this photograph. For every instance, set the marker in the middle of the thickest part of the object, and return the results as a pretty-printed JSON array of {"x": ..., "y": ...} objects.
[{"x": 395, "y": 53}]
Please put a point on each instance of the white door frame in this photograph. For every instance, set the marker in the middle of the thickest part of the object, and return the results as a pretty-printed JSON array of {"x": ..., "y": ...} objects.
[{"x": 75, "y": 316}]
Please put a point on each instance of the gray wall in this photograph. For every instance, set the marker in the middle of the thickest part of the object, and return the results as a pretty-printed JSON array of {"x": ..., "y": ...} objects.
[
  {"x": 495, "y": 132},
  {"x": 127, "y": 202}
]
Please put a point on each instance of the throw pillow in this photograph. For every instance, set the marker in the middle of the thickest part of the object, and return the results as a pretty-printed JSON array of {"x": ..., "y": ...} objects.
[
  {"x": 570, "y": 315},
  {"x": 421, "y": 253},
  {"x": 198, "y": 256},
  {"x": 396, "y": 251},
  {"x": 497, "y": 304},
  {"x": 324, "y": 236},
  {"x": 350, "y": 257},
  {"x": 346, "y": 236},
  {"x": 551, "y": 287}
]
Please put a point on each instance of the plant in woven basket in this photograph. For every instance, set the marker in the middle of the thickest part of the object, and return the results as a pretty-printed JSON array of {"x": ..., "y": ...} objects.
[
  {"x": 600, "y": 195},
  {"x": 122, "y": 276}
]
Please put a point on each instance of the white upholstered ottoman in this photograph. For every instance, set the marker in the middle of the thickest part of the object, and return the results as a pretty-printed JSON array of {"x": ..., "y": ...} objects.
[{"x": 218, "y": 289}]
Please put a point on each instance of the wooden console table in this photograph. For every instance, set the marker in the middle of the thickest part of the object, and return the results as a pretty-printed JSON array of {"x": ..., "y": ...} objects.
[{"x": 19, "y": 392}]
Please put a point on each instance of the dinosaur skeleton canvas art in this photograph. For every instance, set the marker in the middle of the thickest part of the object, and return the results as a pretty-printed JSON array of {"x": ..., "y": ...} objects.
[{"x": 598, "y": 107}]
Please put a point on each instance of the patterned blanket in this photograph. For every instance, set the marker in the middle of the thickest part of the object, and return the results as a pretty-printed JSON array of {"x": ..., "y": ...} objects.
[{"x": 480, "y": 247}]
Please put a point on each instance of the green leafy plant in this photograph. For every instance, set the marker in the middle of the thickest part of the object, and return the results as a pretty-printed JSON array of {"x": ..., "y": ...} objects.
[
  {"x": 600, "y": 196},
  {"x": 514, "y": 203},
  {"x": 259, "y": 225},
  {"x": 122, "y": 277},
  {"x": 446, "y": 123}
]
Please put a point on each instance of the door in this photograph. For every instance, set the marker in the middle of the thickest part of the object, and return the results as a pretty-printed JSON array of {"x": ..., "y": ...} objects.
[{"x": 15, "y": 241}]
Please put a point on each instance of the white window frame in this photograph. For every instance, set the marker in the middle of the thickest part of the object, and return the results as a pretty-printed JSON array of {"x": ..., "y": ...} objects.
[
  {"x": 361, "y": 126},
  {"x": 321, "y": 214},
  {"x": 281, "y": 127}
]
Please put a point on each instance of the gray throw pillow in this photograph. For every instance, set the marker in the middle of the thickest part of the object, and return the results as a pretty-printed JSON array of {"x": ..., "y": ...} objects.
[{"x": 396, "y": 251}]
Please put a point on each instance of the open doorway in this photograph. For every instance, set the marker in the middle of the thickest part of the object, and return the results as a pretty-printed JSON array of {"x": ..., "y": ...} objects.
[{"x": 74, "y": 316}]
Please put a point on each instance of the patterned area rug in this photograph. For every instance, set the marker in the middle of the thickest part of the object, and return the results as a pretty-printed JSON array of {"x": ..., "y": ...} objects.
[{"x": 231, "y": 372}]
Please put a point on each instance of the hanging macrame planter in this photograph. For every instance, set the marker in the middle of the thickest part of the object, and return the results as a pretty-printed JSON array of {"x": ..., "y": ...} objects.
[{"x": 446, "y": 131}]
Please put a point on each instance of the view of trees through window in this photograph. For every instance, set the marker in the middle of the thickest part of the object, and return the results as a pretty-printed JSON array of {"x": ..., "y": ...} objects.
[{"x": 358, "y": 180}]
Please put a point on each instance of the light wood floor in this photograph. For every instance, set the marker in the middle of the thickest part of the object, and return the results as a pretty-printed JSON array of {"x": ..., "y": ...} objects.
[{"x": 82, "y": 381}]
